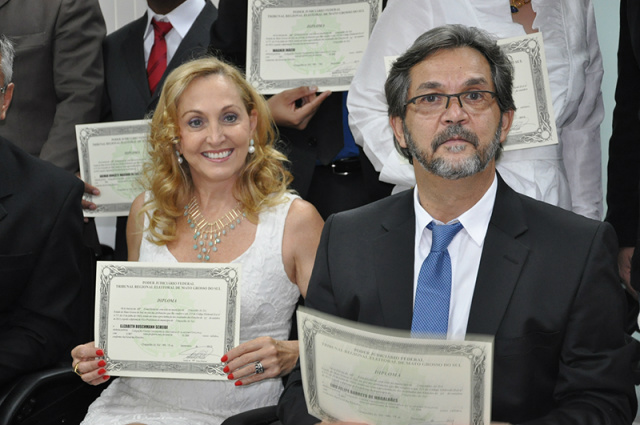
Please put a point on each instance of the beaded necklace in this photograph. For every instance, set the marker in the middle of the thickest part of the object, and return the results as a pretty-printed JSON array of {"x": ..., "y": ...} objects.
[
  {"x": 207, "y": 235},
  {"x": 517, "y": 4}
]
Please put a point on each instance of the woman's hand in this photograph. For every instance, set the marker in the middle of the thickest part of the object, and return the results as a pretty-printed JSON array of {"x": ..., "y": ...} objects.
[
  {"x": 276, "y": 357},
  {"x": 88, "y": 364}
]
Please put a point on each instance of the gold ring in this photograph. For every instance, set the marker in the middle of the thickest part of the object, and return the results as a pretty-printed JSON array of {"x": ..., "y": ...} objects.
[{"x": 75, "y": 369}]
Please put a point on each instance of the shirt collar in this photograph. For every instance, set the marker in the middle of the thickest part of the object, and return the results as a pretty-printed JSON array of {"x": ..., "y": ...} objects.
[
  {"x": 181, "y": 18},
  {"x": 475, "y": 220}
]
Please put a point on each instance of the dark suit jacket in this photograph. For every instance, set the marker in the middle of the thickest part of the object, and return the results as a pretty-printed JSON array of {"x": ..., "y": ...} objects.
[
  {"x": 127, "y": 94},
  {"x": 58, "y": 74},
  {"x": 547, "y": 289},
  {"x": 623, "y": 184},
  {"x": 40, "y": 251}
]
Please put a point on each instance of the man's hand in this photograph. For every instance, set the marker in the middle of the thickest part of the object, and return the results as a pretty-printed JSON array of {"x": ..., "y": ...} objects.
[
  {"x": 91, "y": 190},
  {"x": 294, "y": 108},
  {"x": 624, "y": 267}
]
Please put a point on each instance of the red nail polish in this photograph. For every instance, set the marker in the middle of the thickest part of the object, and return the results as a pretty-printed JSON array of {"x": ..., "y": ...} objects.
[
  {"x": 102, "y": 363},
  {"x": 99, "y": 353},
  {"x": 102, "y": 372},
  {"x": 105, "y": 377},
  {"x": 224, "y": 358},
  {"x": 230, "y": 376},
  {"x": 226, "y": 369},
  {"x": 238, "y": 383}
]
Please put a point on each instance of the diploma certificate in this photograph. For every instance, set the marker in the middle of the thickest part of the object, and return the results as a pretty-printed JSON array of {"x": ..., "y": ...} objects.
[
  {"x": 355, "y": 372},
  {"x": 111, "y": 157},
  {"x": 160, "y": 320},
  {"x": 534, "y": 122},
  {"x": 292, "y": 43}
]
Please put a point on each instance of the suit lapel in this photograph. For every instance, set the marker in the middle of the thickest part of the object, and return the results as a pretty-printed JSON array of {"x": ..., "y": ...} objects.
[
  {"x": 393, "y": 262},
  {"x": 3, "y": 2},
  {"x": 133, "y": 54},
  {"x": 503, "y": 257}
]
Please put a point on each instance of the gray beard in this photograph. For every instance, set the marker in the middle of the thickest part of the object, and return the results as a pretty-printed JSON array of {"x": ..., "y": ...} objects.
[{"x": 459, "y": 169}]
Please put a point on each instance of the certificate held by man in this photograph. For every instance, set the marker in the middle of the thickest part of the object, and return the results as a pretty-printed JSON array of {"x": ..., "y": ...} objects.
[
  {"x": 292, "y": 43},
  {"x": 111, "y": 157},
  {"x": 359, "y": 373},
  {"x": 167, "y": 320}
]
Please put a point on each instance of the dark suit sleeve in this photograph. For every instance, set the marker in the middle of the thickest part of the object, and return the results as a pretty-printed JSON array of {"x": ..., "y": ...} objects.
[
  {"x": 40, "y": 329},
  {"x": 594, "y": 382},
  {"x": 229, "y": 32},
  {"x": 624, "y": 147},
  {"x": 78, "y": 78},
  {"x": 292, "y": 408}
]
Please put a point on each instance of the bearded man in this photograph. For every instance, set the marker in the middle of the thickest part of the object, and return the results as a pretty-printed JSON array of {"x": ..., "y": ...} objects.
[{"x": 539, "y": 279}]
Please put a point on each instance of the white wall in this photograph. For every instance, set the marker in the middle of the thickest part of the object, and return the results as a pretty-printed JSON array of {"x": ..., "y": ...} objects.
[{"x": 608, "y": 21}]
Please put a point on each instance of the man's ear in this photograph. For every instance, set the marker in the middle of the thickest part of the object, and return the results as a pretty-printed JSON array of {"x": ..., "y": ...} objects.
[
  {"x": 507, "y": 120},
  {"x": 398, "y": 130},
  {"x": 6, "y": 101}
]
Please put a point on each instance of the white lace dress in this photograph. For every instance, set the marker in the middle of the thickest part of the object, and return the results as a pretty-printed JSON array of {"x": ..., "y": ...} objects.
[{"x": 268, "y": 299}]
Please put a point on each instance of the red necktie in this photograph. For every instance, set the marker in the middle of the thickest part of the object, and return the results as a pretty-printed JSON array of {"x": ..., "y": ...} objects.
[{"x": 158, "y": 56}]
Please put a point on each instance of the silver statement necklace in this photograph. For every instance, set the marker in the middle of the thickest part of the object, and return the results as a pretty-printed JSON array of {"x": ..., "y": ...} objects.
[{"x": 207, "y": 235}]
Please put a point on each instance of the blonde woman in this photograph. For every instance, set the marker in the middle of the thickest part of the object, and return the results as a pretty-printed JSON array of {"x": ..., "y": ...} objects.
[{"x": 212, "y": 159}]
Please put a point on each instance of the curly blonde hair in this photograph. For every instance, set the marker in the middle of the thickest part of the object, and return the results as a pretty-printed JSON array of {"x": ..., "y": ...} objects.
[{"x": 263, "y": 179}]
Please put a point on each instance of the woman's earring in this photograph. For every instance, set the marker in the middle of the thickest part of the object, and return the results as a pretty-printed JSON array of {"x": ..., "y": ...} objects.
[
  {"x": 180, "y": 159},
  {"x": 252, "y": 148}
]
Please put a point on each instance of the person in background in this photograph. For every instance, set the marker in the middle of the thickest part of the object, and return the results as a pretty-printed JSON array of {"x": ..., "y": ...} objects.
[
  {"x": 58, "y": 75},
  {"x": 623, "y": 170},
  {"x": 212, "y": 157},
  {"x": 40, "y": 252},
  {"x": 623, "y": 183},
  {"x": 59, "y": 78}
]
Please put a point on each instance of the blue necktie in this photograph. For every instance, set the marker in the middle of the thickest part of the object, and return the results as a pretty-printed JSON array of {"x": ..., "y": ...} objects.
[{"x": 431, "y": 308}]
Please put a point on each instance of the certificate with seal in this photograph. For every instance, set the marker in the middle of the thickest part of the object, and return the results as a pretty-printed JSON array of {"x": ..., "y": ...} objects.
[
  {"x": 534, "y": 123},
  {"x": 111, "y": 157},
  {"x": 292, "y": 43},
  {"x": 355, "y": 372},
  {"x": 162, "y": 320}
]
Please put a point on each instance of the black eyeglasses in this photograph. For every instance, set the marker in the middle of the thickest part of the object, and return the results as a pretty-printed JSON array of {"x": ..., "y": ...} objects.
[{"x": 435, "y": 103}]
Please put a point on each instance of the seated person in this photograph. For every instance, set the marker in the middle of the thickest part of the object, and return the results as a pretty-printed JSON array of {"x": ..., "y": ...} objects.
[
  {"x": 212, "y": 150},
  {"x": 538, "y": 278},
  {"x": 40, "y": 251}
]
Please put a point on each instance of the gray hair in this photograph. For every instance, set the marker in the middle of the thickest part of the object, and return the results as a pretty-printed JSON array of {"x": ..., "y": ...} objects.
[
  {"x": 6, "y": 58},
  {"x": 443, "y": 38}
]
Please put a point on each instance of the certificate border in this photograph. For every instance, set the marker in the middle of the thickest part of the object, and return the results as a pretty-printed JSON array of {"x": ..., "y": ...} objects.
[
  {"x": 108, "y": 271},
  {"x": 85, "y": 133},
  {"x": 545, "y": 134},
  {"x": 257, "y": 6},
  {"x": 312, "y": 326}
]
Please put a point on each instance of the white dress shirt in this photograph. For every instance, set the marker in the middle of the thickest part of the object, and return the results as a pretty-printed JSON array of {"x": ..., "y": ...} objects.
[
  {"x": 465, "y": 251},
  {"x": 181, "y": 18},
  {"x": 569, "y": 174}
]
